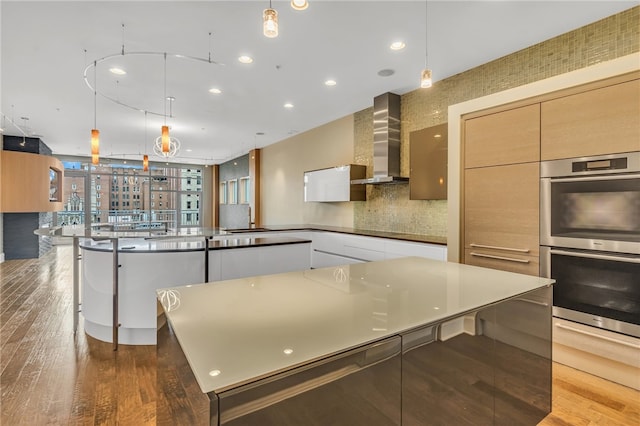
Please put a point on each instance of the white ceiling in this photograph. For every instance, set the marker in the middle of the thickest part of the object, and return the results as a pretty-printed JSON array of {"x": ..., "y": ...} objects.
[{"x": 44, "y": 58}]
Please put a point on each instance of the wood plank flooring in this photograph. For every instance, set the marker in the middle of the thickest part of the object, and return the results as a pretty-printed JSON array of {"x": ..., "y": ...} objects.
[{"x": 48, "y": 376}]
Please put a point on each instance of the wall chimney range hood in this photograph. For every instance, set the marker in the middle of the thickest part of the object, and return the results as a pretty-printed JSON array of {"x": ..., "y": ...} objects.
[{"x": 386, "y": 141}]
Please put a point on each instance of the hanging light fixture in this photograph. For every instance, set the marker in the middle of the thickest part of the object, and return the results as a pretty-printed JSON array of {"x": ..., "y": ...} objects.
[
  {"x": 299, "y": 4},
  {"x": 270, "y": 22},
  {"x": 95, "y": 133},
  {"x": 145, "y": 157},
  {"x": 165, "y": 128},
  {"x": 165, "y": 139},
  {"x": 425, "y": 77}
]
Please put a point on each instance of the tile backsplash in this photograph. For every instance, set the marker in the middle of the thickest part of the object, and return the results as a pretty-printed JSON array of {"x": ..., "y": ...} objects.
[{"x": 388, "y": 207}]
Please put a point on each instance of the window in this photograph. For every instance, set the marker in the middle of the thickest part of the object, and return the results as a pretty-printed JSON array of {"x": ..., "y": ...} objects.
[
  {"x": 188, "y": 205},
  {"x": 223, "y": 192},
  {"x": 98, "y": 187},
  {"x": 244, "y": 190},
  {"x": 232, "y": 188}
]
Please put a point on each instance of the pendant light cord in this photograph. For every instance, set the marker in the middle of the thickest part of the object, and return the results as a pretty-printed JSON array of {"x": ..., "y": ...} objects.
[
  {"x": 145, "y": 131},
  {"x": 209, "y": 47},
  {"x": 426, "y": 33},
  {"x": 122, "y": 39},
  {"x": 95, "y": 94},
  {"x": 165, "y": 89}
]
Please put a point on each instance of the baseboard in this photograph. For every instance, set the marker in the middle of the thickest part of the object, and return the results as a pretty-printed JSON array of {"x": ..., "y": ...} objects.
[{"x": 1, "y": 257}]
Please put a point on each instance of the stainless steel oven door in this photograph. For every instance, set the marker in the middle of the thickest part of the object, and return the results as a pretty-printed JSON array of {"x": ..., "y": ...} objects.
[
  {"x": 599, "y": 212},
  {"x": 595, "y": 288}
]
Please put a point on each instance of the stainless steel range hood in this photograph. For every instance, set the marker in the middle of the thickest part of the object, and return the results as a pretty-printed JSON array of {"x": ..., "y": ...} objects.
[{"x": 386, "y": 141}]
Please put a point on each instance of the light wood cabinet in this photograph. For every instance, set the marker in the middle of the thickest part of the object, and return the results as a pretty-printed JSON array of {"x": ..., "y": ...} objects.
[
  {"x": 501, "y": 217},
  {"x": 599, "y": 121},
  {"x": 505, "y": 137},
  {"x": 26, "y": 183}
]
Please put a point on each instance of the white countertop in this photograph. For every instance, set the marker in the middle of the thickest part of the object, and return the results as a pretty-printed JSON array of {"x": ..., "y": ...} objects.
[{"x": 233, "y": 332}]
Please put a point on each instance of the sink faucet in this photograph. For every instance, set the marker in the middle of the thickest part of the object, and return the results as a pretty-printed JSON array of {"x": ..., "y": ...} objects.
[{"x": 251, "y": 224}]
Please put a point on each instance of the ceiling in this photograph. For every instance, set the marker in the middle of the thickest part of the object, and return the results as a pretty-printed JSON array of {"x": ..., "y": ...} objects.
[{"x": 47, "y": 46}]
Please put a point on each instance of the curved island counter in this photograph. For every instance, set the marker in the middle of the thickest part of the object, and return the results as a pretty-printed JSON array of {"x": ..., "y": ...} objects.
[{"x": 127, "y": 293}]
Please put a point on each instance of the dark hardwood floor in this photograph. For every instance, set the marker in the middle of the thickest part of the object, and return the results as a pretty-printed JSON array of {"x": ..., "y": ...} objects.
[{"x": 48, "y": 376}]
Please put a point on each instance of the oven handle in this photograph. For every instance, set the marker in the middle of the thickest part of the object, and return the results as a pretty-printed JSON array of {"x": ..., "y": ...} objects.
[
  {"x": 593, "y": 178},
  {"x": 490, "y": 256},
  {"x": 596, "y": 256},
  {"x": 588, "y": 333}
]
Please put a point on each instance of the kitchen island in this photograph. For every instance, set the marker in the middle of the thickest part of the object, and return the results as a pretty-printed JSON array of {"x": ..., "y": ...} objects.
[
  {"x": 402, "y": 341},
  {"x": 145, "y": 264}
]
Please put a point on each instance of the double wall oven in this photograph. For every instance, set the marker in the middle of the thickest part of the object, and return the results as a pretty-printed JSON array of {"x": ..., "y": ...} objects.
[{"x": 590, "y": 239}]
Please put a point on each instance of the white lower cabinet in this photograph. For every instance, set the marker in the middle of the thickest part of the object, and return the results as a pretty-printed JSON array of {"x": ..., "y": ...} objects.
[
  {"x": 326, "y": 260},
  {"x": 613, "y": 356},
  {"x": 394, "y": 249},
  {"x": 333, "y": 249},
  {"x": 327, "y": 249},
  {"x": 227, "y": 264}
]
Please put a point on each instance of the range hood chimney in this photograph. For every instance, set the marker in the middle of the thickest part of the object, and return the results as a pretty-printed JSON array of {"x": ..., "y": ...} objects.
[{"x": 386, "y": 141}]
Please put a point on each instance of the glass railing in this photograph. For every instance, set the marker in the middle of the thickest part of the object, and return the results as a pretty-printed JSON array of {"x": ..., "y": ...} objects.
[{"x": 125, "y": 220}]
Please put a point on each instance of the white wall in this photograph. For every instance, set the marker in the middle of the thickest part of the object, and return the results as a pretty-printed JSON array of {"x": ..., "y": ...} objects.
[{"x": 282, "y": 168}]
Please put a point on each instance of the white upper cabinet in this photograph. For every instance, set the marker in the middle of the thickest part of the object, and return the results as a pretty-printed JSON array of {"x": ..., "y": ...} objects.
[{"x": 334, "y": 184}]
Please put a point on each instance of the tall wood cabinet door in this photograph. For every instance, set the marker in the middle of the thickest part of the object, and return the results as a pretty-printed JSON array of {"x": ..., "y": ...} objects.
[
  {"x": 501, "y": 220},
  {"x": 596, "y": 122},
  {"x": 506, "y": 137}
]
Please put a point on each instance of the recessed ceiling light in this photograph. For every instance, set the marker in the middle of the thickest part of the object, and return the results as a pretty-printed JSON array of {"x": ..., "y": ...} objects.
[
  {"x": 386, "y": 72},
  {"x": 330, "y": 83},
  {"x": 117, "y": 71},
  {"x": 288, "y": 105},
  {"x": 189, "y": 150},
  {"x": 397, "y": 45},
  {"x": 245, "y": 59},
  {"x": 171, "y": 98},
  {"x": 215, "y": 90}
]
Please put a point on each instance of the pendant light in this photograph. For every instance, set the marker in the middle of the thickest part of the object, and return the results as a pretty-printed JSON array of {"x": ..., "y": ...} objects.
[
  {"x": 145, "y": 157},
  {"x": 165, "y": 128},
  {"x": 299, "y": 4},
  {"x": 425, "y": 76},
  {"x": 270, "y": 22},
  {"x": 95, "y": 133}
]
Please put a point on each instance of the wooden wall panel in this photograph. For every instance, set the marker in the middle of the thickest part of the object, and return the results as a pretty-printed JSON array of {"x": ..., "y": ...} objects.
[
  {"x": 254, "y": 177},
  {"x": 25, "y": 182}
]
